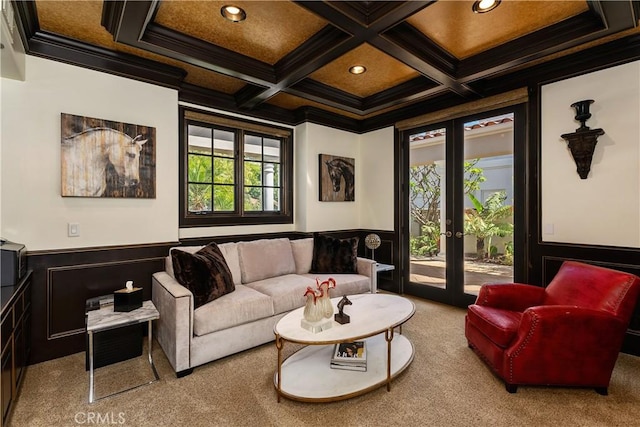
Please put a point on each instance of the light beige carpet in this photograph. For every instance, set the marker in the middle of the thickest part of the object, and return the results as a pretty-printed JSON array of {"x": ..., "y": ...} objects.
[{"x": 446, "y": 385}]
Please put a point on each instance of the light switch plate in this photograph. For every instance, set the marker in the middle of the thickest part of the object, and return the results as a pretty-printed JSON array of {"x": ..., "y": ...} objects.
[{"x": 73, "y": 229}]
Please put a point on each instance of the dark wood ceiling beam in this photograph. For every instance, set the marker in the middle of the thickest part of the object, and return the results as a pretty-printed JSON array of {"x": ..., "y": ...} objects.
[
  {"x": 130, "y": 23},
  {"x": 616, "y": 52},
  {"x": 54, "y": 46},
  {"x": 327, "y": 95},
  {"x": 26, "y": 21},
  {"x": 616, "y": 15},
  {"x": 203, "y": 54},
  {"x": 331, "y": 43},
  {"x": 425, "y": 68},
  {"x": 375, "y": 35},
  {"x": 564, "y": 35},
  {"x": 409, "y": 91},
  {"x": 214, "y": 99},
  {"x": 367, "y": 13},
  {"x": 529, "y": 47},
  {"x": 128, "y": 20},
  {"x": 325, "y": 46},
  {"x": 409, "y": 38},
  {"x": 317, "y": 115}
]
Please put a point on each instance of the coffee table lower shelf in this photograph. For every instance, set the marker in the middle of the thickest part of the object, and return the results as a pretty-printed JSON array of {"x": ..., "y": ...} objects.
[{"x": 307, "y": 376}]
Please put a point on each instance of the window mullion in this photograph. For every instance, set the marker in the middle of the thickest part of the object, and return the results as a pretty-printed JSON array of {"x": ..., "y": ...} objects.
[{"x": 240, "y": 172}]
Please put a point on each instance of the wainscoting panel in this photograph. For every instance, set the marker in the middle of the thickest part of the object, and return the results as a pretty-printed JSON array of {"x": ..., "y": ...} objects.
[
  {"x": 64, "y": 280},
  {"x": 69, "y": 287}
]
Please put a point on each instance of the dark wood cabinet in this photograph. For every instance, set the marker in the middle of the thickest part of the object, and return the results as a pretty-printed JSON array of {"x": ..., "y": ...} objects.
[{"x": 15, "y": 338}]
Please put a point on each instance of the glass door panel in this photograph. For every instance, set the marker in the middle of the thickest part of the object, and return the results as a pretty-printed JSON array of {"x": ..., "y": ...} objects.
[
  {"x": 427, "y": 188},
  {"x": 462, "y": 183},
  {"x": 488, "y": 186}
]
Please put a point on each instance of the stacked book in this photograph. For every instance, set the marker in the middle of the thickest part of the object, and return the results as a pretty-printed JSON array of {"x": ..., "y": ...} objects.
[{"x": 350, "y": 355}]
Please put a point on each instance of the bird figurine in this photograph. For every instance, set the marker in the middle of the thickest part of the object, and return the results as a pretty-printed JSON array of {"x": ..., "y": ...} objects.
[
  {"x": 312, "y": 310},
  {"x": 325, "y": 299}
]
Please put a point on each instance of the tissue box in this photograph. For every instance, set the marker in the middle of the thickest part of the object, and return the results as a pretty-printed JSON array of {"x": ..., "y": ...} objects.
[{"x": 127, "y": 300}]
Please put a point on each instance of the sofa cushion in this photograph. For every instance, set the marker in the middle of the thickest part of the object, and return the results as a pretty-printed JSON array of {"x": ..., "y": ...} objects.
[
  {"x": 205, "y": 273},
  {"x": 499, "y": 325},
  {"x": 287, "y": 292},
  {"x": 346, "y": 284},
  {"x": 302, "y": 254},
  {"x": 230, "y": 252},
  {"x": 331, "y": 255},
  {"x": 265, "y": 258},
  {"x": 244, "y": 305}
]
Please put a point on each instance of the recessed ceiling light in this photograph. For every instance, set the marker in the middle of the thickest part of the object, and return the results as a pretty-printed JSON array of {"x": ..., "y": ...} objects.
[
  {"x": 233, "y": 13},
  {"x": 357, "y": 69},
  {"x": 482, "y": 6}
]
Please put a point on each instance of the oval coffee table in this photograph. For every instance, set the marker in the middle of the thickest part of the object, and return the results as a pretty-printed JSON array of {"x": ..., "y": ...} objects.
[{"x": 307, "y": 376}]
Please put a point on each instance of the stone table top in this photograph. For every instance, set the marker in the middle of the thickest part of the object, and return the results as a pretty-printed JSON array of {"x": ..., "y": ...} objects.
[{"x": 106, "y": 318}]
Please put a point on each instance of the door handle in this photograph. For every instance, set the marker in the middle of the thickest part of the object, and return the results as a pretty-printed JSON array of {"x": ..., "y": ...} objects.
[
  {"x": 459, "y": 234},
  {"x": 447, "y": 234}
]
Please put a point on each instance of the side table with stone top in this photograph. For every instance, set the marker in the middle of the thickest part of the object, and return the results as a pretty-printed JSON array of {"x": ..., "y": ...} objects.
[{"x": 105, "y": 319}]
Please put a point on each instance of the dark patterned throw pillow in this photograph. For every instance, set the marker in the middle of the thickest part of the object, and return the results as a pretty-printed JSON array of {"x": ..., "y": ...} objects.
[
  {"x": 331, "y": 255},
  {"x": 205, "y": 273}
]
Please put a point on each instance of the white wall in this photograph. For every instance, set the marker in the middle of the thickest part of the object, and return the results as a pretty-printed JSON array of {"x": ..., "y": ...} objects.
[
  {"x": 373, "y": 207},
  {"x": 33, "y": 211},
  {"x": 312, "y": 140},
  {"x": 377, "y": 169},
  {"x": 603, "y": 209}
]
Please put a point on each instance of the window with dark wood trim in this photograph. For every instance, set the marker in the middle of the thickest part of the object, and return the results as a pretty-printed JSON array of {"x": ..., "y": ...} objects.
[{"x": 234, "y": 171}]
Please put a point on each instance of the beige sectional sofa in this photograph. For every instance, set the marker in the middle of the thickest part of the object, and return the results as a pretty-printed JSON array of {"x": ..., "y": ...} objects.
[{"x": 270, "y": 277}]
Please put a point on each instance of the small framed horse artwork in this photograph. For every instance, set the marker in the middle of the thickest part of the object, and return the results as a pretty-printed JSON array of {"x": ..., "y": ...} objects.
[
  {"x": 337, "y": 178},
  {"x": 102, "y": 158}
]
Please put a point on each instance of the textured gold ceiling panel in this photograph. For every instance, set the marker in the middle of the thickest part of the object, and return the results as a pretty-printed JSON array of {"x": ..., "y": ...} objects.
[
  {"x": 292, "y": 102},
  {"x": 272, "y": 29},
  {"x": 383, "y": 72},
  {"x": 463, "y": 33},
  {"x": 81, "y": 20}
]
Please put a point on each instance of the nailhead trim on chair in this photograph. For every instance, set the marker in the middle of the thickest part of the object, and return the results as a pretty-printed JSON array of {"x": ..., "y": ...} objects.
[
  {"x": 534, "y": 324},
  {"x": 623, "y": 294}
]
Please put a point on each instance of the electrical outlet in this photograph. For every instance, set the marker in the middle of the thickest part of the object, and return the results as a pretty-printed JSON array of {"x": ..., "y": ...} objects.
[{"x": 73, "y": 229}]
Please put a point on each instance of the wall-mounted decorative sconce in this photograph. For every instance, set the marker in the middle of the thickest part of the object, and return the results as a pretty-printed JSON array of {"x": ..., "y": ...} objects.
[{"x": 582, "y": 142}]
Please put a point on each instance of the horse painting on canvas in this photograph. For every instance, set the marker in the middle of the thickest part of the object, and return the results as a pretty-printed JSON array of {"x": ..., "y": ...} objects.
[
  {"x": 103, "y": 162},
  {"x": 337, "y": 178}
]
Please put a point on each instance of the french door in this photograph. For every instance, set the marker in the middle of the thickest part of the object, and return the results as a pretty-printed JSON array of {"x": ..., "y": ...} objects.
[{"x": 463, "y": 205}]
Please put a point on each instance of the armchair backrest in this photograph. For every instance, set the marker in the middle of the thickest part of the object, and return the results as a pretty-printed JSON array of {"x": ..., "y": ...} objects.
[{"x": 593, "y": 287}]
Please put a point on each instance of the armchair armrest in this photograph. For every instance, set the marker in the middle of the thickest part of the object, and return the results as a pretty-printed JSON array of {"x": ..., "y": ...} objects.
[
  {"x": 510, "y": 296},
  {"x": 174, "y": 328},
  {"x": 578, "y": 343},
  {"x": 367, "y": 267}
]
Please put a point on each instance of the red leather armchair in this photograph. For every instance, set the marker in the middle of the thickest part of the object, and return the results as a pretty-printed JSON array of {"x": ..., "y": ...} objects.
[{"x": 567, "y": 334}]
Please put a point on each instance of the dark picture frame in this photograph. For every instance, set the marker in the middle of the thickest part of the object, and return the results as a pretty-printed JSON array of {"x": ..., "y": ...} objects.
[{"x": 336, "y": 179}]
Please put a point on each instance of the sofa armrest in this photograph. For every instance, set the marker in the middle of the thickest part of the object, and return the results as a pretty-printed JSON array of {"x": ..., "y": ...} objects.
[
  {"x": 367, "y": 267},
  {"x": 174, "y": 328}
]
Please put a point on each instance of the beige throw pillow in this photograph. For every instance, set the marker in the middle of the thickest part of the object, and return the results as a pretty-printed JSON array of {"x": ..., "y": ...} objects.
[
  {"x": 302, "y": 254},
  {"x": 265, "y": 258}
]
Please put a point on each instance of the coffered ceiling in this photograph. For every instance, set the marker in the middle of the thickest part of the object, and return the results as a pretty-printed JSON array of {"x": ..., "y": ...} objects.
[{"x": 291, "y": 59}]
